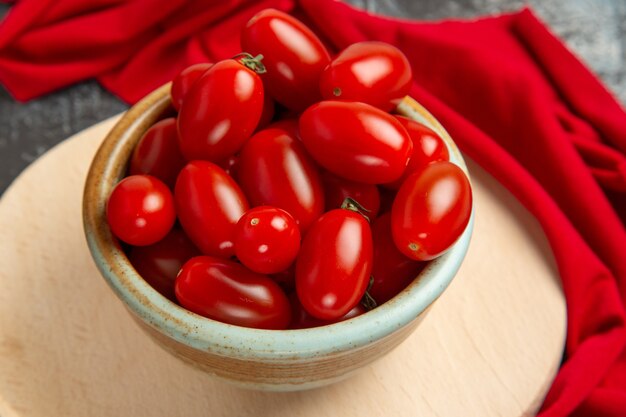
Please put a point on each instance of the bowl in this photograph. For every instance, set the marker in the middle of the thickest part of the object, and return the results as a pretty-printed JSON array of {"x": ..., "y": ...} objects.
[{"x": 280, "y": 360}]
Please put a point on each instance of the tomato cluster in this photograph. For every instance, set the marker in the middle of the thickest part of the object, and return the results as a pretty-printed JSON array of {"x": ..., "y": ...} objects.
[{"x": 284, "y": 194}]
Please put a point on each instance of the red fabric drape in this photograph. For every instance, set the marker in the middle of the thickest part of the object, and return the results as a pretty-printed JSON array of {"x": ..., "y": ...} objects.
[{"x": 513, "y": 97}]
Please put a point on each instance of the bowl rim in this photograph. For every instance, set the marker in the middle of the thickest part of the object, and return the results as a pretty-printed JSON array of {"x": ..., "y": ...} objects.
[{"x": 235, "y": 341}]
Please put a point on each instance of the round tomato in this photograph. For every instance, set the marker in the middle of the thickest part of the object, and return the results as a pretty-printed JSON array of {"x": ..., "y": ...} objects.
[
  {"x": 209, "y": 203},
  {"x": 334, "y": 264},
  {"x": 158, "y": 154},
  {"x": 392, "y": 271},
  {"x": 300, "y": 319},
  {"x": 267, "y": 239},
  {"x": 336, "y": 190},
  {"x": 371, "y": 72},
  {"x": 220, "y": 111},
  {"x": 293, "y": 55},
  {"x": 431, "y": 210},
  {"x": 182, "y": 82},
  {"x": 275, "y": 170},
  {"x": 356, "y": 141},
  {"x": 427, "y": 147},
  {"x": 159, "y": 263},
  {"x": 140, "y": 210},
  {"x": 226, "y": 291}
]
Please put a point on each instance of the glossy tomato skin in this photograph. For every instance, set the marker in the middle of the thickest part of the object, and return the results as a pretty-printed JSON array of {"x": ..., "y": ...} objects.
[
  {"x": 300, "y": 319},
  {"x": 275, "y": 169},
  {"x": 431, "y": 210},
  {"x": 427, "y": 147},
  {"x": 159, "y": 263},
  {"x": 140, "y": 210},
  {"x": 220, "y": 112},
  {"x": 337, "y": 189},
  {"x": 183, "y": 82},
  {"x": 226, "y": 291},
  {"x": 209, "y": 203},
  {"x": 371, "y": 72},
  {"x": 158, "y": 154},
  {"x": 267, "y": 239},
  {"x": 368, "y": 145},
  {"x": 392, "y": 271},
  {"x": 293, "y": 56},
  {"x": 334, "y": 264}
]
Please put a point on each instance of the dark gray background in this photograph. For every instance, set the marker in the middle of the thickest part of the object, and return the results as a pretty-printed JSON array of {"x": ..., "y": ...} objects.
[{"x": 594, "y": 29}]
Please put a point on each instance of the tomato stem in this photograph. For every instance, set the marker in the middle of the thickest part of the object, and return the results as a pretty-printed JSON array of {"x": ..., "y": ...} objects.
[
  {"x": 251, "y": 62},
  {"x": 367, "y": 301},
  {"x": 353, "y": 205}
]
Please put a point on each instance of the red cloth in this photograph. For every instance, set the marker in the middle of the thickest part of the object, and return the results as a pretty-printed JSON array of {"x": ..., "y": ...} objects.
[{"x": 513, "y": 97}]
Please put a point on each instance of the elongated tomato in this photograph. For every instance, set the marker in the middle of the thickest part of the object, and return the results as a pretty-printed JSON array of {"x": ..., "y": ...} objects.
[
  {"x": 220, "y": 111},
  {"x": 356, "y": 141},
  {"x": 431, "y": 210},
  {"x": 275, "y": 170},
  {"x": 372, "y": 72},
  {"x": 334, "y": 264},
  {"x": 209, "y": 203},
  {"x": 293, "y": 55},
  {"x": 226, "y": 291}
]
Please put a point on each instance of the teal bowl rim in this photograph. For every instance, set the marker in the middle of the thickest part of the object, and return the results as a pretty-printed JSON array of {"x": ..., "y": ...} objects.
[{"x": 234, "y": 341}]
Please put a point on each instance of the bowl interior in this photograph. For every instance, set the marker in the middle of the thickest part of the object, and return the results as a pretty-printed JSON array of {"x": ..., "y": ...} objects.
[{"x": 109, "y": 166}]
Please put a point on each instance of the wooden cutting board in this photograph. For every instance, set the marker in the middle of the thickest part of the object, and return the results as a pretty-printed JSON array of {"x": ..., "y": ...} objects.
[{"x": 489, "y": 347}]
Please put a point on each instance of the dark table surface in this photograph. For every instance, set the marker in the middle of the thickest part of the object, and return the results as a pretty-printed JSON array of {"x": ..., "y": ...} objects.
[{"x": 593, "y": 29}]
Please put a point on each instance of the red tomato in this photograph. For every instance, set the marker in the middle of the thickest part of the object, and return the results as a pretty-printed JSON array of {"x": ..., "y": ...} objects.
[
  {"x": 158, "y": 264},
  {"x": 368, "y": 145},
  {"x": 336, "y": 190},
  {"x": 209, "y": 203},
  {"x": 427, "y": 147},
  {"x": 230, "y": 164},
  {"x": 392, "y": 271},
  {"x": 182, "y": 82},
  {"x": 334, "y": 264},
  {"x": 140, "y": 210},
  {"x": 275, "y": 170},
  {"x": 158, "y": 154},
  {"x": 300, "y": 319},
  {"x": 226, "y": 291},
  {"x": 293, "y": 55},
  {"x": 375, "y": 73},
  {"x": 267, "y": 239},
  {"x": 220, "y": 112},
  {"x": 431, "y": 210}
]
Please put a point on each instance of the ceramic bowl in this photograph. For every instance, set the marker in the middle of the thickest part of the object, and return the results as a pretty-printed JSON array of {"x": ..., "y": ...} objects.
[{"x": 262, "y": 359}]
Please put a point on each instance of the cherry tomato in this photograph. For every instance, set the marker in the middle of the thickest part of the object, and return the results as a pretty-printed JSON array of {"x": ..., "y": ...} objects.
[
  {"x": 431, "y": 210},
  {"x": 267, "y": 239},
  {"x": 392, "y": 271},
  {"x": 230, "y": 164},
  {"x": 336, "y": 190},
  {"x": 182, "y": 82},
  {"x": 159, "y": 263},
  {"x": 375, "y": 73},
  {"x": 275, "y": 169},
  {"x": 209, "y": 203},
  {"x": 334, "y": 264},
  {"x": 158, "y": 154},
  {"x": 300, "y": 319},
  {"x": 140, "y": 210},
  {"x": 356, "y": 141},
  {"x": 220, "y": 111},
  {"x": 226, "y": 291},
  {"x": 427, "y": 147},
  {"x": 293, "y": 55}
]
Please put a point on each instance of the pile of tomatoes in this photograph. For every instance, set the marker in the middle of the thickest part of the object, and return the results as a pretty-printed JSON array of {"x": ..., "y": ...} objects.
[{"x": 284, "y": 194}]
